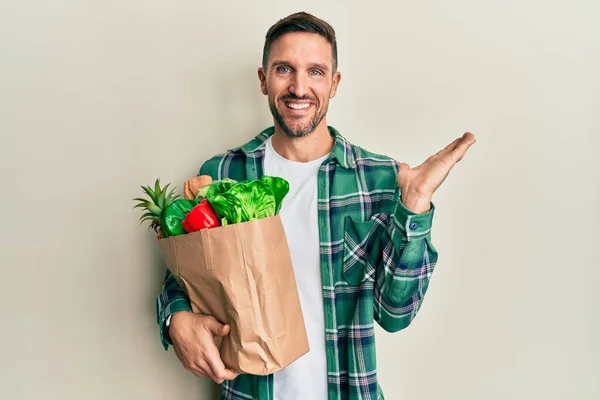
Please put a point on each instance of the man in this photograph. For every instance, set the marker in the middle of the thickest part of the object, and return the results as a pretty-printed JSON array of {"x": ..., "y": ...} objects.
[{"x": 358, "y": 225}]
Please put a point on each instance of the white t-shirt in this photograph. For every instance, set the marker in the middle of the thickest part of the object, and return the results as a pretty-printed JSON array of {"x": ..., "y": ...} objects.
[{"x": 305, "y": 378}]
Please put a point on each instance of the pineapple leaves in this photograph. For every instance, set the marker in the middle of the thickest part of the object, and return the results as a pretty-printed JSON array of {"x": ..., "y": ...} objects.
[
  {"x": 145, "y": 217},
  {"x": 150, "y": 193},
  {"x": 154, "y": 210},
  {"x": 159, "y": 199}
]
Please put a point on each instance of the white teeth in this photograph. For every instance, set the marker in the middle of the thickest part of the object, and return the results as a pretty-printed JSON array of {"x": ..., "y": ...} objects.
[{"x": 298, "y": 106}]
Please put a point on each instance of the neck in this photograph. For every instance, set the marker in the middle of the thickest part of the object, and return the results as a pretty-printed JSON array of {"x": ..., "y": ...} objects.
[{"x": 304, "y": 149}]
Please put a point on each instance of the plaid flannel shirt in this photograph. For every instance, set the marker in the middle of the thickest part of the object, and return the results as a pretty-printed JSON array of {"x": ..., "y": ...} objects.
[{"x": 377, "y": 259}]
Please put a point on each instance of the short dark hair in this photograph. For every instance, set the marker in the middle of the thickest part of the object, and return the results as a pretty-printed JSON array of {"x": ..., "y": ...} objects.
[{"x": 300, "y": 22}]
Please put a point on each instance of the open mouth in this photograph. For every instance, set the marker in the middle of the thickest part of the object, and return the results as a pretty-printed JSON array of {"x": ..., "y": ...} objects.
[{"x": 296, "y": 108}]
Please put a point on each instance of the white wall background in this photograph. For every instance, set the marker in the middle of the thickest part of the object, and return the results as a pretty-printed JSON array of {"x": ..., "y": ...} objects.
[{"x": 99, "y": 97}]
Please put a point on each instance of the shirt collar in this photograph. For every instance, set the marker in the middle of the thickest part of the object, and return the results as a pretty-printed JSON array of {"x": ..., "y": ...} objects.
[{"x": 342, "y": 151}]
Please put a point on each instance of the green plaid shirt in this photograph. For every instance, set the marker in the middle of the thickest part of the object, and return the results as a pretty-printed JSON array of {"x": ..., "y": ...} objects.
[{"x": 376, "y": 263}]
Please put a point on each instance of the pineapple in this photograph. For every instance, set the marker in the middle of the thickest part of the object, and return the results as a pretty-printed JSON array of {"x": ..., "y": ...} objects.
[{"x": 160, "y": 198}]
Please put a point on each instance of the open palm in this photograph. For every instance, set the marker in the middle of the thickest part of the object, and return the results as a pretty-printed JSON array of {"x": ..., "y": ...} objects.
[{"x": 423, "y": 180}]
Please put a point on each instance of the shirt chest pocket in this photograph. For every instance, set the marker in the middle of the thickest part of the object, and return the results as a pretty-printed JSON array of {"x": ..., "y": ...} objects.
[{"x": 362, "y": 248}]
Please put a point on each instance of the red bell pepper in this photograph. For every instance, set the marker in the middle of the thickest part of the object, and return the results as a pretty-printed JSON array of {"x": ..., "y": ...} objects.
[{"x": 202, "y": 216}]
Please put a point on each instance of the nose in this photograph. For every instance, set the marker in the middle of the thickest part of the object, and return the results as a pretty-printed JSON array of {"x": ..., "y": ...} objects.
[{"x": 299, "y": 85}]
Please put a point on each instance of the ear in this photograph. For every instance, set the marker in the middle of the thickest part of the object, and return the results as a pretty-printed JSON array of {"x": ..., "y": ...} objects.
[
  {"x": 263, "y": 80},
  {"x": 337, "y": 77}
]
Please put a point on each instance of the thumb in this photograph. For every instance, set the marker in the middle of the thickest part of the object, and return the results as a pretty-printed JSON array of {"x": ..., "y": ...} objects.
[
  {"x": 401, "y": 178},
  {"x": 217, "y": 328},
  {"x": 213, "y": 326},
  {"x": 224, "y": 330}
]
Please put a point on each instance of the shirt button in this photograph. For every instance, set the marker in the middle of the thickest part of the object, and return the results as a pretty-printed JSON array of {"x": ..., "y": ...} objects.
[{"x": 413, "y": 226}]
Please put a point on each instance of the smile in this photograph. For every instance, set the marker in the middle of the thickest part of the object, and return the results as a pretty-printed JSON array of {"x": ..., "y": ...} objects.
[{"x": 297, "y": 106}]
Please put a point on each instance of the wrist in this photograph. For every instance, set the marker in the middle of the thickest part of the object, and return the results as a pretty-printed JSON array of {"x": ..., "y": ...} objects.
[
  {"x": 416, "y": 202},
  {"x": 169, "y": 324},
  {"x": 173, "y": 323}
]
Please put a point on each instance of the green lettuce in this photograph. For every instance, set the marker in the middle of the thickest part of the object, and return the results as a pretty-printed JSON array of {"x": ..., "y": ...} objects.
[{"x": 248, "y": 200}]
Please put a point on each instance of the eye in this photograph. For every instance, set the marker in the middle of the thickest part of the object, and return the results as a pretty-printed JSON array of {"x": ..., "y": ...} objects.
[
  {"x": 315, "y": 72},
  {"x": 283, "y": 69}
]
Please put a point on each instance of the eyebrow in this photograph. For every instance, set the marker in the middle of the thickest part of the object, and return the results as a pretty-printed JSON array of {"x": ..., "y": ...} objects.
[{"x": 324, "y": 67}]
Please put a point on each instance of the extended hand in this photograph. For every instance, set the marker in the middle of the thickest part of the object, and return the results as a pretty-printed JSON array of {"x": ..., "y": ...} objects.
[{"x": 419, "y": 183}]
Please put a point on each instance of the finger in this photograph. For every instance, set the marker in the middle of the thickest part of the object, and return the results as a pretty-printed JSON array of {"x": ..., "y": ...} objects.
[
  {"x": 205, "y": 368},
  {"x": 190, "y": 366},
  {"x": 198, "y": 372},
  {"x": 466, "y": 141},
  {"x": 218, "y": 368},
  {"x": 449, "y": 148},
  {"x": 230, "y": 375},
  {"x": 195, "y": 369},
  {"x": 224, "y": 331},
  {"x": 212, "y": 325}
]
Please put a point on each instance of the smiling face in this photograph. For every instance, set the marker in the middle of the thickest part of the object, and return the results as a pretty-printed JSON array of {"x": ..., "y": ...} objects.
[{"x": 299, "y": 81}]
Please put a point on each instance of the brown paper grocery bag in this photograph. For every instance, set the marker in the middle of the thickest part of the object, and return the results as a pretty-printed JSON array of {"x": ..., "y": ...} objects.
[{"x": 242, "y": 275}]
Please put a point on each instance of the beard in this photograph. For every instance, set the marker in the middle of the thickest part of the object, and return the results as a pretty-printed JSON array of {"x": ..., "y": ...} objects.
[{"x": 297, "y": 130}]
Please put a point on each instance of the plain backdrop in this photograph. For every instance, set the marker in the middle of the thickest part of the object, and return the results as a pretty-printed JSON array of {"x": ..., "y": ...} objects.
[{"x": 100, "y": 97}]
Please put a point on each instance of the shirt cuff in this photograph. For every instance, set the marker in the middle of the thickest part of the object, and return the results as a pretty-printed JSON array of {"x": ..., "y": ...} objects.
[
  {"x": 415, "y": 226},
  {"x": 172, "y": 308}
]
